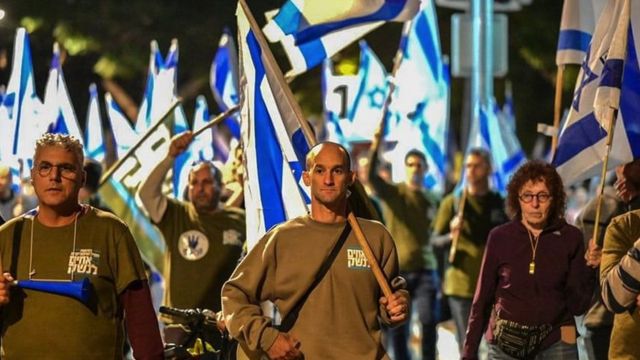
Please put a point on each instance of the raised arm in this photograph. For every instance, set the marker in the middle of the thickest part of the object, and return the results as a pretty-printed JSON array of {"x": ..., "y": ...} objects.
[{"x": 150, "y": 191}]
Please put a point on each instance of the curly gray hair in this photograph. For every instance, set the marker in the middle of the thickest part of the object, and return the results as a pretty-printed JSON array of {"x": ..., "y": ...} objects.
[{"x": 67, "y": 142}]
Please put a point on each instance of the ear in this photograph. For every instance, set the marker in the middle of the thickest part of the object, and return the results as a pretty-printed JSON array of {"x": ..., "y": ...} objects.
[
  {"x": 306, "y": 178},
  {"x": 83, "y": 179},
  {"x": 352, "y": 177}
]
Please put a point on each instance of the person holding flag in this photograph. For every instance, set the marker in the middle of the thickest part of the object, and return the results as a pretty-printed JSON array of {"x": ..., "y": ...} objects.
[
  {"x": 330, "y": 314},
  {"x": 467, "y": 217},
  {"x": 204, "y": 240}
]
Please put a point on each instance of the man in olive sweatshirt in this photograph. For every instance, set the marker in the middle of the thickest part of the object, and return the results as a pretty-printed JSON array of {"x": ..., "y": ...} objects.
[{"x": 340, "y": 317}]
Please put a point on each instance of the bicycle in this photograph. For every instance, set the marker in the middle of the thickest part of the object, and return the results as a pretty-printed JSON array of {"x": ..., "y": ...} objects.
[{"x": 203, "y": 335}]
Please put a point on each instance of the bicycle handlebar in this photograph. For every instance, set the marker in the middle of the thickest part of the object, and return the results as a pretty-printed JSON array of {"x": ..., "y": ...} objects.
[{"x": 190, "y": 315}]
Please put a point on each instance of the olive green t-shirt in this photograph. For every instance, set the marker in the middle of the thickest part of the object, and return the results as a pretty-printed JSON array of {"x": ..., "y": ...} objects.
[
  {"x": 481, "y": 214},
  {"x": 202, "y": 251},
  {"x": 408, "y": 214},
  {"x": 40, "y": 325}
]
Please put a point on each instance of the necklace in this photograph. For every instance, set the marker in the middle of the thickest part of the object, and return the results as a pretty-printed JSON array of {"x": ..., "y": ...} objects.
[
  {"x": 533, "y": 240},
  {"x": 32, "y": 271}
]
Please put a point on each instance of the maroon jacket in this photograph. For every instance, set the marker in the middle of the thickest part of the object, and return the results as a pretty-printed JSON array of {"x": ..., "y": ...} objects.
[{"x": 560, "y": 288}]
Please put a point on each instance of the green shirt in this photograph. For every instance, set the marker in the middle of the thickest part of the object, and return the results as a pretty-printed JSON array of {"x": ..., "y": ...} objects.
[
  {"x": 481, "y": 214},
  {"x": 202, "y": 251},
  {"x": 340, "y": 318},
  {"x": 40, "y": 325},
  {"x": 621, "y": 233}
]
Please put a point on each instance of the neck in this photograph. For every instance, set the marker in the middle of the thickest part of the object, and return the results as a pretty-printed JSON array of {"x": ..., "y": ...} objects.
[
  {"x": 57, "y": 217},
  {"x": 6, "y": 194},
  {"x": 413, "y": 186},
  {"x": 533, "y": 229},
  {"x": 478, "y": 189},
  {"x": 329, "y": 215}
]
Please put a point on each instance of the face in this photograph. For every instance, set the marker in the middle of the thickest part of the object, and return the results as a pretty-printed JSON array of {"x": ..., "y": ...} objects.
[
  {"x": 414, "y": 168},
  {"x": 535, "y": 202},
  {"x": 204, "y": 192},
  {"x": 477, "y": 169},
  {"x": 57, "y": 177},
  {"x": 628, "y": 181},
  {"x": 5, "y": 181},
  {"x": 328, "y": 176}
]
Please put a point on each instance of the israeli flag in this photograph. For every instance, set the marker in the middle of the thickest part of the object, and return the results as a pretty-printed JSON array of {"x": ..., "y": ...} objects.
[
  {"x": 338, "y": 92},
  {"x": 124, "y": 134},
  {"x": 57, "y": 110},
  {"x": 144, "y": 119},
  {"x": 370, "y": 96},
  {"x": 224, "y": 80},
  {"x": 421, "y": 100},
  {"x": 273, "y": 167},
  {"x": 581, "y": 145},
  {"x": 20, "y": 111},
  {"x": 576, "y": 27},
  {"x": 313, "y": 30},
  {"x": 94, "y": 141}
]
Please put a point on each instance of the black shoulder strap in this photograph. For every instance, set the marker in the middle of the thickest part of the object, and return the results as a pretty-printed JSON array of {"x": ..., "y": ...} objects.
[
  {"x": 292, "y": 316},
  {"x": 15, "y": 248}
]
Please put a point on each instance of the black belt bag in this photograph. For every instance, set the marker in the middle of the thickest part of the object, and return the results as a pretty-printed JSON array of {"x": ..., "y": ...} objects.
[{"x": 519, "y": 340}]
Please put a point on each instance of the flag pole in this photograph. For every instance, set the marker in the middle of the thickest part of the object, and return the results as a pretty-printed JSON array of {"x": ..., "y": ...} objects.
[
  {"x": 216, "y": 120},
  {"x": 611, "y": 115},
  {"x": 311, "y": 140},
  {"x": 557, "y": 108}
]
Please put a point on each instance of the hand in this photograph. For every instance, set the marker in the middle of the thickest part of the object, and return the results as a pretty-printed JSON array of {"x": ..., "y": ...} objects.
[
  {"x": 220, "y": 324},
  {"x": 180, "y": 143},
  {"x": 455, "y": 225},
  {"x": 5, "y": 284},
  {"x": 285, "y": 348},
  {"x": 638, "y": 300},
  {"x": 397, "y": 306},
  {"x": 593, "y": 254}
]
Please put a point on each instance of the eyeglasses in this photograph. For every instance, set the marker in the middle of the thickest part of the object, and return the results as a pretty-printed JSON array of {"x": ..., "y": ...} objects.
[
  {"x": 66, "y": 170},
  {"x": 527, "y": 197}
]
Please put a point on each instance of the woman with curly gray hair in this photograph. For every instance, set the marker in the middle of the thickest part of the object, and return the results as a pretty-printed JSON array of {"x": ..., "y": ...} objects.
[{"x": 534, "y": 278}]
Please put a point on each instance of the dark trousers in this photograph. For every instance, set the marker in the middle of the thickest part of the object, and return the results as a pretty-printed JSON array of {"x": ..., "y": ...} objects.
[
  {"x": 423, "y": 286},
  {"x": 460, "y": 310}
]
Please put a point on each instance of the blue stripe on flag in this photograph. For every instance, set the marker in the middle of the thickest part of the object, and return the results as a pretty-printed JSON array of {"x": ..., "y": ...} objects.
[
  {"x": 26, "y": 70},
  {"x": 484, "y": 128},
  {"x": 512, "y": 163},
  {"x": 269, "y": 155},
  {"x": 289, "y": 18},
  {"x": 433, "y": 148},
  {"x": 389, "y": 10},
  {"x": 313, "y": 52},
  {"x": 574, "y": 40},
  {"x": 581, "y": 135},
  {"x": 630, "y": 97},
  {"x": 427, "y": 43},
  {"x": 612, "y": 73}
]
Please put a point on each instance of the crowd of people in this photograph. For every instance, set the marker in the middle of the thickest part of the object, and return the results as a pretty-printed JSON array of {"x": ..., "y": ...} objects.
[{"x": 511, "y": 272}]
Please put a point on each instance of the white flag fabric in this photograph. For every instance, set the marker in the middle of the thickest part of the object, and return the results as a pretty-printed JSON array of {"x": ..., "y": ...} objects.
[
  {"x": 576, "y": 28},
  {"x": 273, "y": 168},
  {"x": 581, "y": 145},
  {"x": 224, "y": 80},
  {"x": 94, "y": 139},
  {"x": 313, "y": 30},
  {"x": 58, "y": 110},
  {"x": 19, "y": 113}
]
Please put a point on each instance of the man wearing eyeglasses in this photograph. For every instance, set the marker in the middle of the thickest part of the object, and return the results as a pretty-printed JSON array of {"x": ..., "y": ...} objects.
[
  {"x": 470, "y": 220},
  {"x": 63, "y": 241},
  {"x": 204, "y": 239}
]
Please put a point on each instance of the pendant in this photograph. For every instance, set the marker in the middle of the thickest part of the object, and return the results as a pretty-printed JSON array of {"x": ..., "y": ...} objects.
[{"x": 532, "y": 267}]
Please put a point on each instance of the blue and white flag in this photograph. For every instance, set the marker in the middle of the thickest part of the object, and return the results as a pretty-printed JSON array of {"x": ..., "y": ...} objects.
[
  {"x": 581, "y": 145},
  {"x": 224, "y": 80},
  {"x": 420, "y": 103},
  {"x": 144, "y": 119},
  {"x": 493, "y": 134},
  {"x": 124, "y": 134},
  {"x": 338, "y": 92},
  {"x": 19, "y": 113},
  {"x": 273, "y": 168},
  {"x": 58, "y": 110},
  {"x": 508, "y": 111},
  {"x": 313, "y": 30},
  {"x": 576, "y": 27},
  {"x": 370, "y": 96},
  {"x": 94, "y": 147}
]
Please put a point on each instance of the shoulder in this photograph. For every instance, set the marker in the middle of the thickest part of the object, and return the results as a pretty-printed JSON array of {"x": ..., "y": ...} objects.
[
  {"x": 8, "y": 226},
  {"x": 505, "y": 231},
  {"x": 627, "y": 219},
  {"x": 234, "y": 213},
  {"x": 103, "y": 218}
]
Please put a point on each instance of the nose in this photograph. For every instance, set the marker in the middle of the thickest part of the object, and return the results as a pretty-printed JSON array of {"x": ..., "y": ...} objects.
[
  {"x": 328, "y": 178},
  {"x": 55, "y": 173},
  {"x": 535, "y": 202}
]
